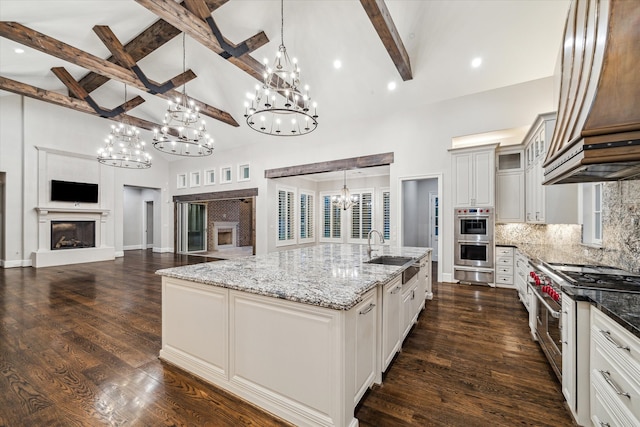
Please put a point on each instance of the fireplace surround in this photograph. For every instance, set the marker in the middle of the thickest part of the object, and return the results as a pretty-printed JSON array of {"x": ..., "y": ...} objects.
[{"x": 84, "y": 242}]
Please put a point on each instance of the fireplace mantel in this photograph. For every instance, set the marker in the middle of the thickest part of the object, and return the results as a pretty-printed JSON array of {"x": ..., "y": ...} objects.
[
  {"x": 46, "y": 210},
  {"x": 45, "y": 257}
]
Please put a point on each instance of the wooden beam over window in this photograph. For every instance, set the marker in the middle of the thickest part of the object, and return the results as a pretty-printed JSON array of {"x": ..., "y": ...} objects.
[
  {"x": 217, "y": 195},
  {"x": 383, "y": 23},
  {"x": 331, "y": 166}
]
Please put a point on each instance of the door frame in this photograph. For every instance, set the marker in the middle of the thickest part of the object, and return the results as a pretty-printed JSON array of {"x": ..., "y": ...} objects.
[{"x": 401, "y": 180}]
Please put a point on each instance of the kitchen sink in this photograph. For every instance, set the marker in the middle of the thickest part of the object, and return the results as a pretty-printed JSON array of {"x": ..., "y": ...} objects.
[
  {"x": 390, "y": 260},
  {"x": 411, "y": 270}
]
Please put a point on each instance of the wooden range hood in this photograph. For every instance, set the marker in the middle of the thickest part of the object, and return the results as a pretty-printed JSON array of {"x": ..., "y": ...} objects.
[{"x": 597, "y": 133}]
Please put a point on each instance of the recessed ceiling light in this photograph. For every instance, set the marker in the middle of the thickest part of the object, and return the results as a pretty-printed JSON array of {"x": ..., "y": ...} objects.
[
  {"x": 476, "y": 62},
  {"x": 391, "y": 85},
  {"x": 18, "y": 50},
  {"x": 337, "y": 64}
]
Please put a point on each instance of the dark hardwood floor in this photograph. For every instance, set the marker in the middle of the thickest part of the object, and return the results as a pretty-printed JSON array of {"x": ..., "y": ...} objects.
[{"x": 79, "y": 347}]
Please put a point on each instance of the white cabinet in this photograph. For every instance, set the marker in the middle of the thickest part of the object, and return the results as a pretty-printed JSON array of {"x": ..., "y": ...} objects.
[
  {"x": 545, "y": 204},
  {"x": 391, "y": 321},
  {"x": 521, "y": 277},
  {"x": 510, "y": 186},
  {"x": 365, "y": 348},
  {"x": 568, "y": 339},
  {"x": 615, "y": 373},
  {"x": 425, "y": 290},
  {"x": 410, "y": 306},
  {"x": 474, "y": 176},
  {"x": 504, "y": 266}
]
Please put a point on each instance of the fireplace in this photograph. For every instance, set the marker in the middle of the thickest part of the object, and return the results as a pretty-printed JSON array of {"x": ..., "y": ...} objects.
[
  {"x": 73, "y": 235},
  {"x": 225, "y": 234}
]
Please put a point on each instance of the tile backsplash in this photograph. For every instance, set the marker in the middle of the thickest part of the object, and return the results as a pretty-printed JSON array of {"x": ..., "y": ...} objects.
[{"x": 621, "y": 230}]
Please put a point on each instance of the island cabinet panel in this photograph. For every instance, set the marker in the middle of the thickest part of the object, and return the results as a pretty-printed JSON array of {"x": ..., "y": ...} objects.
[
  {"x": 391, "y": 321},
  {"x": 410, "y": 308},
  {"x": 279, "y": 348},
  {"x": 364, "y": 320},
  {"x": 195, "y": 326}
]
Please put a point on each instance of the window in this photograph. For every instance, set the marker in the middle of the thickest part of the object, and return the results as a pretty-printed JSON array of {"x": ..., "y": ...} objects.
[
  {"x": 597, "y": 213},
  {"x": 195, "y": 179},
  {"x": 286, "y": 230},
  {"x": 244, "y": 173},
  {"x": 225, "y": 175},
  {"x": 182, "y": 180},
  {"x": 209, "y": 177},
  {"x": 386, "y": 215},
  {"x": 331, "y": 220},
  {"x": 306, "y": 215},
  {"x": 362, "y": 215}
]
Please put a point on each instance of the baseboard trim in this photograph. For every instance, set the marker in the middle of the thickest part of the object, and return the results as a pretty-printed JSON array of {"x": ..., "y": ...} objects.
[
  {"x": 15, "y": 263},
  {"x": 132, "y": 247}
]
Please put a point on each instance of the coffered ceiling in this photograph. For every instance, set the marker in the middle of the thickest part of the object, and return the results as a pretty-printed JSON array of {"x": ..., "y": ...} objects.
[{"x": 65, "y": 40}]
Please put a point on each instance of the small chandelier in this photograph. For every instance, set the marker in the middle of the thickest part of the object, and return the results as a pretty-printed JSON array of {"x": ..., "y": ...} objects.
[
  {"x": 279, "y": 106},
  {"x": 183, "y": 116},
  {"x": 345, "y": 200},
  {"x": 123, "y": 147}
]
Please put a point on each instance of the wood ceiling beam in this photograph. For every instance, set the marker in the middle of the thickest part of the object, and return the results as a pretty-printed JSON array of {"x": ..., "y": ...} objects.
[
  {"x": 383, "y": 23},
  {"x": 154, "y": 36},
  {"x": 123, "y": 58},
  {"x": 33, "y": 39},
  {"x": 68, "y": 102},
  {"x": 198, "y": 30},
  {"x": 361, "y": 162},
  {"x": 79, "y": 92}
]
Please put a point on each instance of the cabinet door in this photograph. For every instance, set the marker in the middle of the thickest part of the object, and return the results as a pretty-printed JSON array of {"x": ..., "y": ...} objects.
[
  {"x": 463, "y": 164},
  {"x": 391, "y": 321},
  {"x": 568, "y": 351},
  {"x": 483, "y": 182},
  {"x": 539, "y": 192},
  {"x": 365, "y": 357},
  {"x": 510, "y": 201},
  {"x": 409, "y": 311}
]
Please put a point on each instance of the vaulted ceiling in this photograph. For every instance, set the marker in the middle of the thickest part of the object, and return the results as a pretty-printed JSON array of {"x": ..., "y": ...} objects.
[{"x": 424, "y": 46}]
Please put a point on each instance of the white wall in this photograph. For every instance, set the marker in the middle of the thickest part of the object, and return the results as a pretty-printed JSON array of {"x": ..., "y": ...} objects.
[
  {"x": 418, "y": 137},
  {"x": 35, "y": 148}
]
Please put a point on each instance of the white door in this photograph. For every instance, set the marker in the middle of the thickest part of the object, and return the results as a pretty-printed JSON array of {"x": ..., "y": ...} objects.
[{"x": 434, "y": 224}]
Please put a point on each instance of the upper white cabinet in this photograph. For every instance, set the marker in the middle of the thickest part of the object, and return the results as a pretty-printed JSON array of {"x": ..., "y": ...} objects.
[
  {"x": 510, "y": 192},
  {"x": 546, "y": 204},
  {"x": 474, "y": 176}
]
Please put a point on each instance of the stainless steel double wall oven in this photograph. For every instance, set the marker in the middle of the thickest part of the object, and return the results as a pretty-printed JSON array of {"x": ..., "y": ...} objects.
[{"x": 473, "y": 244}]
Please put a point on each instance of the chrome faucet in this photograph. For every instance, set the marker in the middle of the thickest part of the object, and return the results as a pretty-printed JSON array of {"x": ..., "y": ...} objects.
[{"x": 369, "y": 250}]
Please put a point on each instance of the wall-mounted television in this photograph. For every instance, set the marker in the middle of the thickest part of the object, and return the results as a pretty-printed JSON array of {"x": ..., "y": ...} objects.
[{"x": 67, "y": 191}]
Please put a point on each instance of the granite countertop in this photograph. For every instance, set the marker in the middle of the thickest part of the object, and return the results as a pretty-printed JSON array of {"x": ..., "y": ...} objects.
[
  {"x": 623, "y": 307},
  {"x": 326, "y": 275}
]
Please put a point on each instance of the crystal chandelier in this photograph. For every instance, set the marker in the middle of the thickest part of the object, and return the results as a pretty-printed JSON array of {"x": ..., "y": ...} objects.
[
  {"x": 345, "y": 200},
  {"x": 281, "y": 106},
  {"x": 123, "y": 147},
  {"x": 183, "y": 116}
]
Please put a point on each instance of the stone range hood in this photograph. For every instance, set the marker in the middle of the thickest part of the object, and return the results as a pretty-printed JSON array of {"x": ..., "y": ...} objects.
[{"x": 597, "y": 133}]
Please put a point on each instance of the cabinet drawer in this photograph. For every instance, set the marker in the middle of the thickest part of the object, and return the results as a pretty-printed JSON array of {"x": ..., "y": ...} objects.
[
  {"x": 621, "y": 385},
  {"x": 617, "y": 340},
  {"x": 502, "y": 252},
  {"x": 504, "y": 270},
  {"x": 505, "y": 280},
  {"x": 504, "y": 261},
  {"x": 605, "y": 408}
]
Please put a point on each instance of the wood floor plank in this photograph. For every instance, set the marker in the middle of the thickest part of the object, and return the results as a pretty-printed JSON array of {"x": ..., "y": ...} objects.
[{"x": 79, "y": 347}]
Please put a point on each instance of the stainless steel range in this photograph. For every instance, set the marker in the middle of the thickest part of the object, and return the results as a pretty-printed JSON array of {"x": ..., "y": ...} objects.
[{"x": 546, "y": 283}]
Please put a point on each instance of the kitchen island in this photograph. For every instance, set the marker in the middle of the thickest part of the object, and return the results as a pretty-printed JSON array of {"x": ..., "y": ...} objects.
[{"x": 302, "y": 333}]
